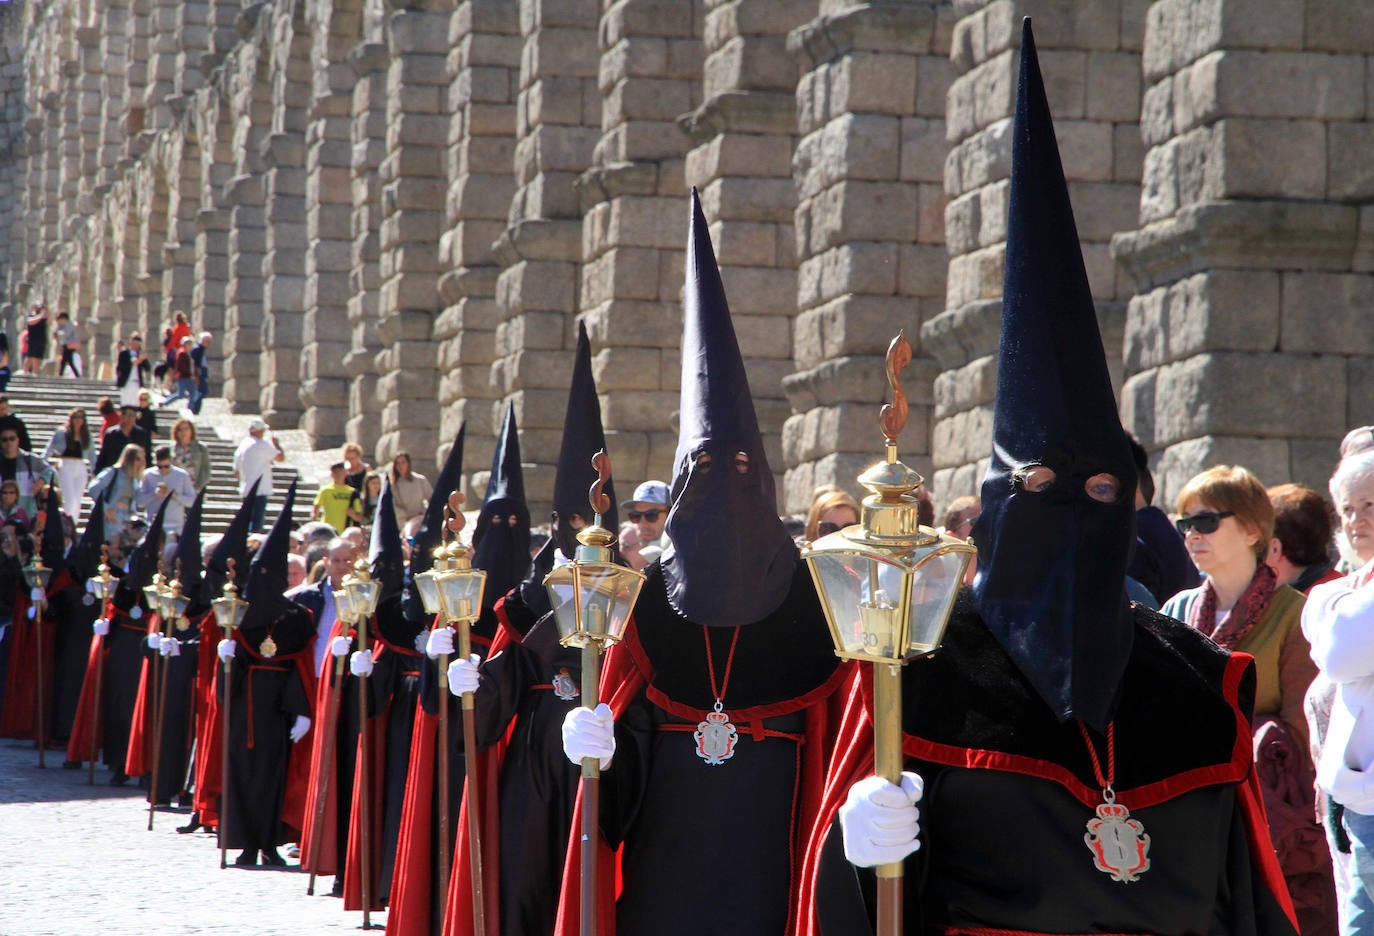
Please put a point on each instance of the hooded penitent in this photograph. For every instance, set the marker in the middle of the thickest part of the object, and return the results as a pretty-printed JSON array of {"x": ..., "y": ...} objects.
[
  {"x": 501, "y": 536},
  {"x": 431, "y": 532},
  {"x": 731, "y": 560},
  {"x": 142, "y": 566},
  {"x": 387, "y": 568},
  {"x": 583, "y": 437},
  {"x": 188, "y": 563},
  {"x": 1058, "y": 500},
  {"x": 84, "y": 557},
  {"x": 53, "y": 548},
  {"x": 232, "y": 545},
  {"x": 270, "y": 613}
]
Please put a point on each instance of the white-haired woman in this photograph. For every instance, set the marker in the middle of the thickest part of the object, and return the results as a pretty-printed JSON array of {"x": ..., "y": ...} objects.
[{"x": 1338, "y": 621}]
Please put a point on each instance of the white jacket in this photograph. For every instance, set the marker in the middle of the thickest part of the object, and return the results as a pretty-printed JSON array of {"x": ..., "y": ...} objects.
[{"x": 1338, "y": 622}]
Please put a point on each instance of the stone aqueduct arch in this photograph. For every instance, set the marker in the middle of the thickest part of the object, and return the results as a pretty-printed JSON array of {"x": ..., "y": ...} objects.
[{"x": 393, "y": 214}]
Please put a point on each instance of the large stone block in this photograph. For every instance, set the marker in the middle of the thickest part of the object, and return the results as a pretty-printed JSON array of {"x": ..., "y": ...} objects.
[
  {"x": 1272, "y": 396},
  {"x": 1327, "y": 313},
  {"x": 1272, "y": 158},
  {"x": 1221, "y": 310},
  {"x": 851, "y": 325},
  {"x": 1267, "y": 458},
  {"x": 863, "y": 267}
]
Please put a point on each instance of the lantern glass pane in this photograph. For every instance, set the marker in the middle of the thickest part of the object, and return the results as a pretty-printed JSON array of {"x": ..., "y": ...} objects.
[
  {"x": 428, "y": 587},
  {"x": 592, "y": 600},
  {"x": 461, "y": 593},
  {"x": 934, "y": 587},
  {"x": 365, "y": 594},
  {"x": 240, "y": 612},
  {"x": 863, "y": 596},
  {"x": 343, "y": 605},
  {"x": 179, "y": 605}
]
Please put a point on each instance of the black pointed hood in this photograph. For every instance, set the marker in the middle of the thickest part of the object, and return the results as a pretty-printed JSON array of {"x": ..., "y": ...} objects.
[
  {"x": 501, "y": 536},
  {"x": 143, "y": 564},
  {"x": 431, "y": 532},
  {"x": 54, "y": 546},
  {"x": 188, "y": 563},
  {"x": 270, "y": 612},
  {"x": 84, "y": 557},
  {"x": 533, "y": 594},
  {"x": 384, "y": 552},
  {"x": 583, "y": 437},
  {"x": 730, "y": 560},
  {"x": 232, "y": 545},
  {"x": 1052, "y": 564}
]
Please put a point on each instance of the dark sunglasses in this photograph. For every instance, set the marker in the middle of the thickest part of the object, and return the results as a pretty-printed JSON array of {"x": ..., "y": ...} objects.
[
  {"x": 1205, "y": 523},
  {"x": 9, "y": 438},
  {"x": 650, "y": 515},
  {"x": 826, "y": 527}
]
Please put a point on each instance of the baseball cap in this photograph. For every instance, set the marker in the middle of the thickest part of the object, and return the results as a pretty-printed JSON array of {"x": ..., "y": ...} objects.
[
  {"x": 650, "y": 492},
  {"x": 257, "y": 424}
]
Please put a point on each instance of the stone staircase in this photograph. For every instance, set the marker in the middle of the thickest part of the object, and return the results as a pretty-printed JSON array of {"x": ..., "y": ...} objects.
[{"x": 43, "y": 403}]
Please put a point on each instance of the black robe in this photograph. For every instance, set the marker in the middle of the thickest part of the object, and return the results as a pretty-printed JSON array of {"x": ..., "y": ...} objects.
[
  {"x": 266, "y": 695},
  {"x": 533, "y": 684},
  {"x": 694, "y": 832},
  {"x": 178, "y": 716},
  {"x": 1009, "y": 792},
  {"x": 393, "y": 693},
  {"x": 123, "y": 663},
  {"x": 74, "y": 611}
]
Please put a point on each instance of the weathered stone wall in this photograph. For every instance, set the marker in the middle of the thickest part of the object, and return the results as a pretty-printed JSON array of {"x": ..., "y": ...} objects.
[
  {"x": 391, "y": 215},
  {"x": 1247, "y": 337},
  {"x": 1090, "y": 57}
]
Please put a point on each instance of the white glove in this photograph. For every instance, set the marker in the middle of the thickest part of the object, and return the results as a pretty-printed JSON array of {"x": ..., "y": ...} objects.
[
  {"x": 171, "y": 646},
  {"x": 463, "y": 675},
  {"x": 155, "y": 641},
  {"x": 32, "y": 612},
  {"x": 360, "y": 664},
  {"x": 37, "y": 595},
  {"x": 589, "y": 733},
  {"x": 298, "y": 730},
  {"x": 880, "y": 822},
  {"x": 225, "y": 649},
  {"x": 440, "y": 642},
  {"x": 340, "y": 646},
  {"x": 101, "y": 627}
]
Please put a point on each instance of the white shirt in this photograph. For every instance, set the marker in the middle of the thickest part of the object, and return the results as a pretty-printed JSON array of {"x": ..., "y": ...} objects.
[
  {"x": 181, "y": 494},
  {"x": 252, "y": 460},
  {"x": 322, "y": 628},
  {"x": 1338, "y": 622}
]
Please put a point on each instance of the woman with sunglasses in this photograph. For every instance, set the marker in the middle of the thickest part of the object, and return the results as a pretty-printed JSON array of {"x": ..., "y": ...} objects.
[
  {"x": 1338, "y": 619},
  {"x": 1227, "y": 520}
]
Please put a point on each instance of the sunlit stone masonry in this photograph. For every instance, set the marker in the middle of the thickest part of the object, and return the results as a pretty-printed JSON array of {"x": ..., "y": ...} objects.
[{"x": 393, "y": 215}]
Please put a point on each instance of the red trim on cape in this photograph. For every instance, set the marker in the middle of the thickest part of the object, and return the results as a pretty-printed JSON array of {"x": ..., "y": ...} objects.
[
  {"x": 625, "y": 673},
  {"x": 1233, "y": 771},
  {"x": 853, "y": 761}
]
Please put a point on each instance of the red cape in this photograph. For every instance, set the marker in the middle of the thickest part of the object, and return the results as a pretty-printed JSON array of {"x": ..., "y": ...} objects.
[
  {"x": 18, "y": 711},
  {"x": 327, "y": 861},
  {"x": 412, "y": 887},
  {"x": 458, "y": 908},
  {"x": 138, "y": 760},
  {"x": 625, "y": 673},
  {"x": 85, "y": 725},
  {"x": 373, "y": 770},
  {"x": 853, "y": 761},
  {"x": 209, "y": 732}
]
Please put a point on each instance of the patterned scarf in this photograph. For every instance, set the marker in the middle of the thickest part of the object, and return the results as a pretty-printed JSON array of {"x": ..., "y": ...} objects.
[{"x": 1250, "y": 607}]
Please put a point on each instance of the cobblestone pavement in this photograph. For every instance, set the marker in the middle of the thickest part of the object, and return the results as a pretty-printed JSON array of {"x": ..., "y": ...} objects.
[{"x": 77, "y": 860}]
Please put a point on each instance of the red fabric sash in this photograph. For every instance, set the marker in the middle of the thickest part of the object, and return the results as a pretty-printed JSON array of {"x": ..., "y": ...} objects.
[{"x": 1250, "y": 607}]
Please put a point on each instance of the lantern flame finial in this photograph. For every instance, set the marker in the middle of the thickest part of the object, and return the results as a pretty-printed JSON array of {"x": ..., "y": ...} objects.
[{"x": 893, "y": 415}]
